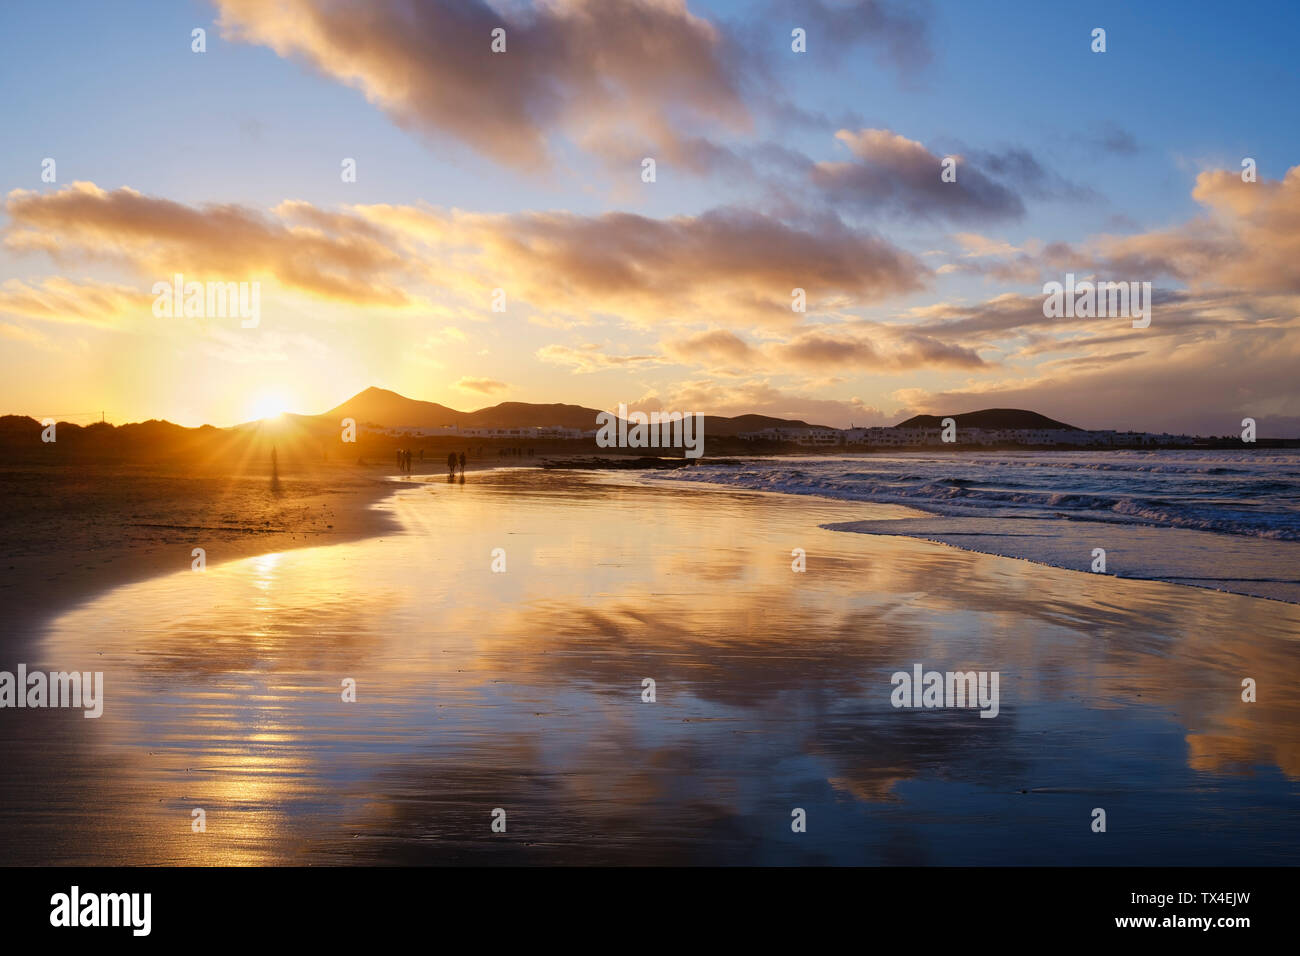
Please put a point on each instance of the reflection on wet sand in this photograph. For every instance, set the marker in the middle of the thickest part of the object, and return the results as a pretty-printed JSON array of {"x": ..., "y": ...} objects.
[{"x": 522, "y": 690}]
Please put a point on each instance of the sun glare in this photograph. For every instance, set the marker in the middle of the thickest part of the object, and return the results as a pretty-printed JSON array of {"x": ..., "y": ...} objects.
[{"x": 270, "y": 405}]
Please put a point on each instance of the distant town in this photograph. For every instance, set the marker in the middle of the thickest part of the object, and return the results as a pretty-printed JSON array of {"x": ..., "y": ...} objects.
[
  {"x": 905, "y": 435},
  {"x": 914, "y": 437}
]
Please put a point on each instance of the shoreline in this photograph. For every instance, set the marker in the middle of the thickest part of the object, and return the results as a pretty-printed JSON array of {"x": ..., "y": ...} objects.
[
  {"x": 1212, "y": 559},
  {"x": 48, "y": 575},
  {"x": 937, "y": 529}
]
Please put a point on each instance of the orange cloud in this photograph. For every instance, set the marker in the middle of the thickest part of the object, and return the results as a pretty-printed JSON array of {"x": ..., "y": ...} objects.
[
  {"x": 734, "y": 265},
  {"x": 159, "y": 237},
  {"x": 483, "y": 386},
  {"x": 731, "y": 264},
  {"x": 880, "y": 348},
  {"x": 57, "y": 299}
]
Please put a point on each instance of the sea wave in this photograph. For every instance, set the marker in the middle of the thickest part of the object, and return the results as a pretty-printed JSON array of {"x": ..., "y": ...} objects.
[{"x": 1238, "y": 493}]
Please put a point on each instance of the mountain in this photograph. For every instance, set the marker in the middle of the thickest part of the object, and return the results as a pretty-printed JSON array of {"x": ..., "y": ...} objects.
[
  {"x": 379, "y": 406},
  {"x": 715, "y": 425},
  {"x": 989, "y": 418},
  {"x": 522, "y": 414}
]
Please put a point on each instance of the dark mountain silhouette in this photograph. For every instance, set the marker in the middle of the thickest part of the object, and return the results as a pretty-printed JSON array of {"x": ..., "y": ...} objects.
[
  {"x": 522, "y": 414},
  {"x": 379, "y": 406},
  {"x": 989, "y": 418},
  {"x": 715, "y": 425},
  {"x": 386, "y": 409}
]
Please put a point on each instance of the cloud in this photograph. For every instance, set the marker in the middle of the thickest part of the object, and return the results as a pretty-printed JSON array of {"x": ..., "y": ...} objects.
[
  {"x": 734, "y": 265},
  {"x": 737, "y": 265},
  {"x": 760, "y": 397},
  {"x": 268, "y": 346},
  {"x": 1112, "y": 138},
  {"x": 57, "y": 299},
  {"x": 589, "y": 358},
  {"x": 892, "y": 174},
  {"x": 1251, "y": 241},
  {"x": 715, "y": 347},
  {"x": 865, "y": 347},
  {"x": 335, "y": 259},
  {"x": 1206, "y": 361},
  {"x": 898, "y": 30},
  {"x": 978, "y": 246},
  {"x": 1247, "y": 239},
  {"x": 1207, "y": 389},
  {"x": 617, "y": 78},
  {"x": 1019, "y": 168},
  {"x": 592, "y": 69},
  {"x": 484, "y": 386}
]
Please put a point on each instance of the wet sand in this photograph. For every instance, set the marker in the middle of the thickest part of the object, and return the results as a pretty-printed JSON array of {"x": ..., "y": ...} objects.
[
  {"x": 523, "y": 691},
  {"x": 71, "y": 532},
  {"x": 68, "y": 539},
  {"x": 1221, "y": 562}
]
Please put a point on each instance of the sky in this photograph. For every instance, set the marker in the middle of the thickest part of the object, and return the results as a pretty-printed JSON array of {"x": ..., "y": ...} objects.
[{"x": 517, "y": 180}]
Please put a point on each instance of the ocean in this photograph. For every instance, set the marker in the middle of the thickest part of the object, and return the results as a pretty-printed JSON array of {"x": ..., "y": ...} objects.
[{"x": 1222, "y": 519}]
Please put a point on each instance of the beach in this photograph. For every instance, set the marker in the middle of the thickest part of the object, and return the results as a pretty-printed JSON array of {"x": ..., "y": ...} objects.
[
  {"x": 499, "y": 633},
  {"x": 74, "y": 530}
]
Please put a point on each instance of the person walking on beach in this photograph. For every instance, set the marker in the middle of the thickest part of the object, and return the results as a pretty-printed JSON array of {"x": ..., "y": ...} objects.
[
  {"x": 462, "y": 463},
  {"x": 451, "y": 464}
]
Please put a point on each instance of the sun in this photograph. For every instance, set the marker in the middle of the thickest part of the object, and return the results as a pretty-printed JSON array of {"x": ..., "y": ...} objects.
[{"x": 270, "y": 404}]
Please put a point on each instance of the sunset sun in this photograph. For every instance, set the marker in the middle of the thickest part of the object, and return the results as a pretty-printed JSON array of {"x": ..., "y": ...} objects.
[{"x": 270, "y": 403}]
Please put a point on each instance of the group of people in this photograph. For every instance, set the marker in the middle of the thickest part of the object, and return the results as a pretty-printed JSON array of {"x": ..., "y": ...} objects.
[
  {"x": 404, "y": 459},
  {"x": 451, "y": 464}
]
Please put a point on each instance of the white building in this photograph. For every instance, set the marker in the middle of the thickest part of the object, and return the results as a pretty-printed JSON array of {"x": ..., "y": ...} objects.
[{"x": 800, "y": 436}]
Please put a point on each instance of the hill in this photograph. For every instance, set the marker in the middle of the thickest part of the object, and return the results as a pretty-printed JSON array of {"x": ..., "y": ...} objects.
[
  {"x": 715, "y": 425},
  {"x": 379, "y": 406},
  {"x": 989, "y": 418}
]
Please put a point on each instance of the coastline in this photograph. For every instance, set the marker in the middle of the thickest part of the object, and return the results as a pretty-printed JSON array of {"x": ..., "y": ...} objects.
[
  {"x": 1121, "y": 517},
  {"x": 1196, "y": 559}
]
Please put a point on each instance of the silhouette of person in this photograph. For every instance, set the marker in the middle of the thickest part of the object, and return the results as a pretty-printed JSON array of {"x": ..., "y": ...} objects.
[
  {"x": 462, "y": 463},
  {"x": 451, "y": 463}
]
